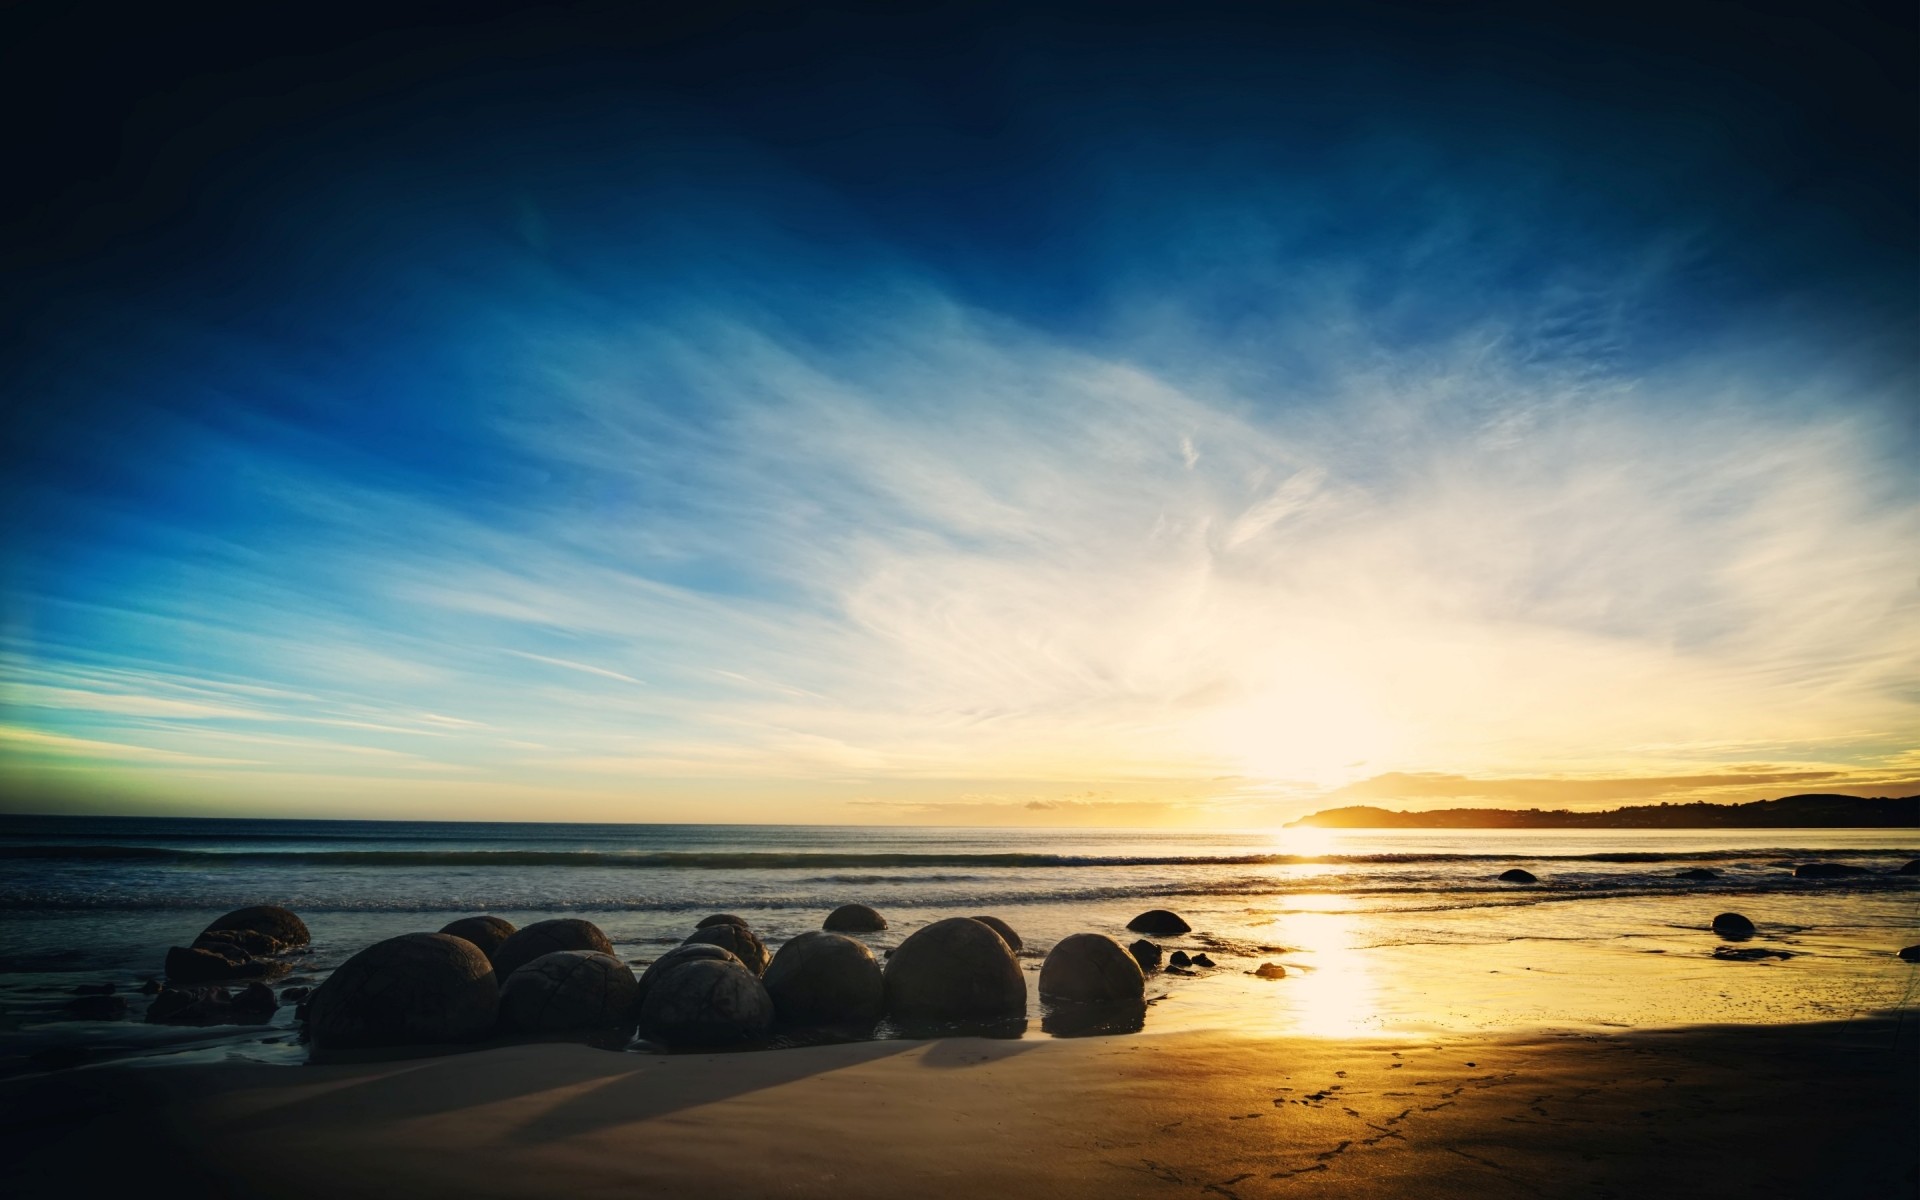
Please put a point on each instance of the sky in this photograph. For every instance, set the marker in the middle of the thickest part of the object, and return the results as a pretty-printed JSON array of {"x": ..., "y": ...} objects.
[{"x": 1038, "y": 414}]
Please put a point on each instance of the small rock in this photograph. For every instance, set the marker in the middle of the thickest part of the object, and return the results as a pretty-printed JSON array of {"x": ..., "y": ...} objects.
[
  {"x": 1827, "y": 871},
  {"x": 256, "y": 999},
  {"x": 96, "y": 1006},
  {"x": 1179, "y": 959},
  {"x": 1270, "y": 971},
  {"x": 191, "y": 1006},
  {"x": 1201, "y": 960},
  {"x": 1160, "y": 923},
  {"x": 151, "y": 987},
  {"x": 294, "y": 995},
  {"x": 853, "y": 918},
  {"x": 1910, "y": 954},
  {"x": 1146, "y": 954},
  {"x": 1732, "y": 926},
  {"x": 1748, "y": 953},
  {"x": 1173, "y": 970},
  {"x": 1699, "y": 873},
  {"x": 1516, "y": 875}
]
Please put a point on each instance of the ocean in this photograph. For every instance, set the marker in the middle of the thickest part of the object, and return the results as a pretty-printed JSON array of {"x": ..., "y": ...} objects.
[{"x": 1390, "y": 933}]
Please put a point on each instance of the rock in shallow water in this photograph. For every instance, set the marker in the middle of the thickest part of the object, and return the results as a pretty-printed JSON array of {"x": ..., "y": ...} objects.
[
  {"x": 545, "y": 937},
  {"x": 1516, "y": 875},
  {"x": 270, "y": 919},
  {"x": 679, "y": 954},
  {"x": 1911, "y": 867},
  {"x": 822, "y": 978},
  {"x": 218, "y": 964},
  {"x": 956, "y": 969},
  {"x": 1091, "y": 968},
  {"x": 1270, "y": 971},
  {"x": 569, "y": 990},
  {"x": 1005, "y": 931},
  {"x": 1827, "y": 871},
  {"x": 1179, "y": 959},
  {"x": 1146, "y": 954},
  {"x": 736, "y": 940},
  {"x": 418, "y": 988},
  {"x": 1160, "y": 923},
  {"x": 1910, "y": 954},
  {"x": 487, "y": 932},
  {"x": 1699, "y": 873},
  {"x": 854, "y": 918},
  {"x": 722, "y": 919},
  {"x": 1732, "y": 926},
  {"x": 707, "y": 1002}
]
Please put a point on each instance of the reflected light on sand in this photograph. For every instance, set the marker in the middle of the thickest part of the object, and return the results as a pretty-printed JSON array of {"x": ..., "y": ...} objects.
[{"x": 1335, "y": 995}]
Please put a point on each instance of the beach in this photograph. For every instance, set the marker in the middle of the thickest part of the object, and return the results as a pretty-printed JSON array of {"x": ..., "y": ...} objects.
[{"x": 1796, "y": 1110}]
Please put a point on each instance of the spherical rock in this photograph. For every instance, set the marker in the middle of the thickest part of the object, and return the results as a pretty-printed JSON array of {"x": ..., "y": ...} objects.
[
  {"x": 545, "y": 937},
  {"x": 1699, "y": 873},
  {"x": 722, "y": 919},
  {"x": 704, "y": 1002},
  {"x": 569, "y": 990},
  {"x": 1146, "y": 954},
  {"x": 488, "y": 933},
  {"x": 270, "y": 919},
  {"x": 1732, "y": 926},
  {"x": 953, "y": 970},
  {"x": 737, "y": 940},
  {"x": 686, "y": 952},
  {"x": 1160, "y": 923},
  {"x": 1091, "y": 968},
  {"x": 1516, "y": 875},
  {"x": 854, "y": 918},
  {"x": 1005, "y": 931},
  {"x": 822, "y": 978},
  {"x": 413, "y": 989}
]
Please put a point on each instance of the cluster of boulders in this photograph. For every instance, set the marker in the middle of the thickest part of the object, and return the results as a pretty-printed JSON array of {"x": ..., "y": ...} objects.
[{"x": 248, "y": 946}]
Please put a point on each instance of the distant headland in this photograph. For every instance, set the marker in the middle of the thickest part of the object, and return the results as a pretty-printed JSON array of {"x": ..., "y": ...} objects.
[{"x": 1811, "y": 811}]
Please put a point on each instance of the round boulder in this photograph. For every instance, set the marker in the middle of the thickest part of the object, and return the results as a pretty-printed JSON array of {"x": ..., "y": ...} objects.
[
  {"x": 822, "y": 978},
  {"x": 545, "y": 937},
  {"x": 1699, "y": 873},
  {"x": 1160, "y": 923},
  {"x": 722, "y": 919},
  {"x": 568, "y": 990},
  {"x": 1732, "y": 926},
  {"x": 673, "y": 957},
  {"x": 414, "y": 989},
  {"x": 1146, "y": 954},
  {"x": 954, "y": 970},
  {"x": 705, "y": 1002},
  {"x": 269, "y": 920},
  {"x": 1091, "y": 968},
  {"x": 1516, "y": 875},
  {"x": 854, "y": 918},
  {"x": 488, "y": 933},
  {"x": 736, "y": 940},
  {"x": 1005, "y": 931}
]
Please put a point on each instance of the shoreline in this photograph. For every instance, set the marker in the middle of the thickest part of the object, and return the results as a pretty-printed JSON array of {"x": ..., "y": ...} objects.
[{"x": 1699, "y": 1110}]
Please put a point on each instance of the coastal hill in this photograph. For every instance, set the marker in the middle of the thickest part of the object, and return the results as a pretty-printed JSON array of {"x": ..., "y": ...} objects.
[{"x": 1811, "y": 811}]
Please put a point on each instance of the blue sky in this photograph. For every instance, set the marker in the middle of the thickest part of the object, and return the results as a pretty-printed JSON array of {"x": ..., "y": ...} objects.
[{"x": 967, "y": 415}]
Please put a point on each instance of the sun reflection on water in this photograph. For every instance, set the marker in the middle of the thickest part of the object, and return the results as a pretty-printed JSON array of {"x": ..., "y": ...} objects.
[{"x": 1335, "y": 993}]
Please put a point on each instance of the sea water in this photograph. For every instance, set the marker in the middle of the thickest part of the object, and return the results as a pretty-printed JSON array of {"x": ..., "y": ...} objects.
[{"x": 1379, "y": 932}]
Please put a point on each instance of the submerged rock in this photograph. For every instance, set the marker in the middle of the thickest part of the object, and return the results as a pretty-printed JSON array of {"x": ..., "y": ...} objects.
[
  {"x": 1005, "y": 931},
  {"x": 1160, "y": 923},
  {"x": 569, "y": 990},
  {"x": 954, "y": 969},
  {"x": 1091, "y": 968},
  {"x": 722, "y": 919},
  {"x": 1732, "y": 926},
  {"x": 414, "y": 989},
  {"x": 270, "y": 919},
  {"x": 545, "y": 937},
  {"x": 822, "y": 978},
  {"x": 487, "y": 932},
  {"x": 854, "y": 918},
  {"x": 679, "y": 954},
  {"x": 1827, "y": 871},
  {"x": 1516, "y": 875},
  {"x": 1146, "y": 954},
  {"x": 1699, "y": 873},
  {"x": 707, "y": 1002},
  {"x": 1748, "y": 953},
  {"x": 737, "y": 940}
]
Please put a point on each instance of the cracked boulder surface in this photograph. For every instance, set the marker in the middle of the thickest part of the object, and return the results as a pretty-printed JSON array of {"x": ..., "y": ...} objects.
[{"x": 1727, "y": 1111}]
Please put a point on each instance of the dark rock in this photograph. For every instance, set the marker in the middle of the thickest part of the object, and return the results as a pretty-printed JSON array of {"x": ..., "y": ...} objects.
[
  {"x": 1005, "y": 931},
  {"x": 854, "y": 918},
  {"x": 414, "y": 989},
  {"x": 1747, "y": 953},
  {"x": 245, "y": 941},
  {"x": 218, "y": 964},
  {"x": 487, "y": 932},
  {"x": 954, "y": 969},
  {"x": 679, "y": 954},
  {"x": 1175, "y": 970},
  {"x": 95, "y": 1006},
  {"x": 569, "y": 990},
  {"x": 269, "y": 919},
  {"x": 95, "y": 989},
  {"x": 1146, "y": 954},
  {"x": 1160, "y": 923},
  {"x": 722, "y": 919},
  {"x": 737, "y": 940},
  {"x": 1732, "y": 926},
  {"x": 1516, "y": 875},
  {"x": 822, "y": 978},
  {"x": 545, "y": 937},
  {"x": 1912, "y": 867},
  {"x": 1201, "y": 960},
  {"x": 1270, "y": 971},
  {"x": 1910, "y": 954},
  {"x": 1699, "y": 873},
  {"x": 1827, "y": 871},
  {"x": 150, "y": 988},
  {"x": 1094, "y": 1020},
  {"x": 192, "y": 1006},
  {"x": 294, "y": 995},
  {"x": 257, "y": 1000},
  {"x": 706, "y": 1002},
  {"x": 1179, "y": 959},
  {"x": 1091, "y": 968}
]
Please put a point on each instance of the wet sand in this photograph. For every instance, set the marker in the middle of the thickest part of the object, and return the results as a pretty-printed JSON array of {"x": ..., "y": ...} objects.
[{"x": 1727, "y": 1111}]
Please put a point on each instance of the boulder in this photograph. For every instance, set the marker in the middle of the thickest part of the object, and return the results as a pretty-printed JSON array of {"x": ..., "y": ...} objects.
[
  {"x": 1912, "y": 867},
  {"x": 218, "y": 964},
  {"x": 192, "y": 1006},
  {"x": 488, "y": 933},
  {"x": 1827, "y": 871},
  {"x": 722, "y": 919},
  {"x": 413, "y": 989},
  {"x": 737, "y": 940},
  {"x": 673, "y": 957},
  {"x": 150, "y": 987},
  {"x": 245, "y": 941},
  {"x": 1910, "y": 954},
  {"x": 1091, "y": 968},
  {"x": 1732, "y": 926},
  {"x": 97, "y": 1007},
  {"x": 1146, "y": 954},
  {"x": 1270, "y": 971},
  {"x": 822, "y": 978},
  {"x": 256, "y": 1000},
  {"x": 954, "y": 969},
  {"x": 1094, "y": 1020},
  {"x": 294, "y": 995},
  {"x": 269, "y": 919},
  {"x": 1005, "y": 931},
  {"x": 545, "y": 937},
  {"x": 1160, "y": 923},
  {"x": 1179, "y": 959},
  {"x": 1201, "y": 960},
  {"x": 1516, "y": 875},
  {"x": 706, "y": 1002},
  {"x": 854, "y": 918},
  {"x": 569, "y": 990},
  {"x": 1699, "y": 873}
]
